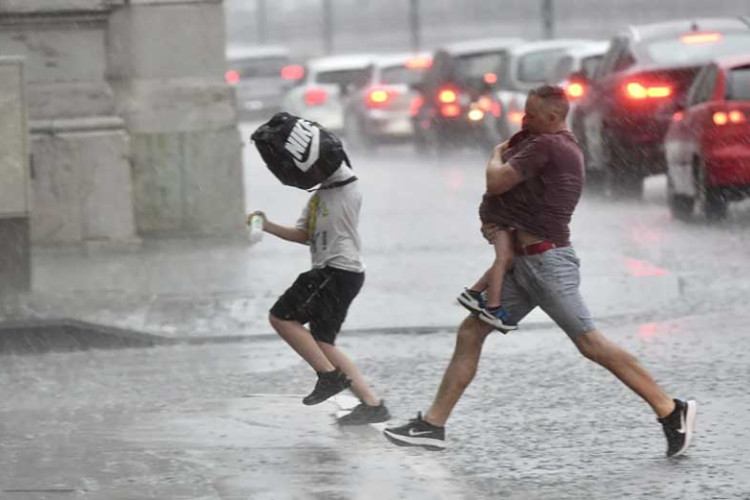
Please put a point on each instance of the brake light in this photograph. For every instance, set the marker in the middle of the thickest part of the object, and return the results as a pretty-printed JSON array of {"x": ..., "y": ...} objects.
[
  {"x": 447, "y": 96},
  {"x": 292, "y": 72},
  {"x": 638, "y": 91},
  {"x": 678, "y": 116},
  {"x": 377, "y": 98},
  {"x": 487, "y": 105},
  {"x": 516, "y": 116},
  {"x": 700, "y": 38},
  {"x": 418, "y": 63},
  {"x": 232, "y": 77},
  {"x": 450, "y": 110},
  {"x": 416, "y": 104},
  {"x": 575, "y": 90},
  {"x": 490, "y": 78},
  {"x": 723, "y": 117},
  {"x": 316, "y": 97}
]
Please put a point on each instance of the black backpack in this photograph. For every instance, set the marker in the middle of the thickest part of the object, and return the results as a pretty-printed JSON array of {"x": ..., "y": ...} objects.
[{"x": 299, "y": 152}]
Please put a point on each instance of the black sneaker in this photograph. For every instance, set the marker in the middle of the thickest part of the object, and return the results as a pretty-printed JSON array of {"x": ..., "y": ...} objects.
[
  {"x": 417, "y": 433},
  {"x": 678, "y": 427},
  {"x": 365, "y": 414},
  {"x": 328, "y": 384},
  {"x": 473, "y": 301}
]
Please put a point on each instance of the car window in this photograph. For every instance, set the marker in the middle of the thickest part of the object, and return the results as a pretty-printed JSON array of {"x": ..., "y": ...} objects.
[
  {"x": 478, "y": 65},
  {"x": 562, "y": 70},
  {"x": 675, "y": 51},
  {"x": 265, "y": 67},
  {"x": 400, "y": 74},
  {"x": 535, "y": 67},
  {"x": 590, "y": 63},
  {"x": 703, "y": 86},
  {"x": 738, "y": 84},
  {"x": 346, "y": 77}
]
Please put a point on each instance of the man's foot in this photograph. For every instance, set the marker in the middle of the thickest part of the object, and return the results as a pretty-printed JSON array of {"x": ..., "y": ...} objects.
[
  {"x": 473, "y": 301},
  {"x": 417, "y": 433},
  {"x": 328, "y": 384},
  {"x": 498, "y": 317},
  {"x": 365, "y": 414},
  {"x": 678, "y": 427}
]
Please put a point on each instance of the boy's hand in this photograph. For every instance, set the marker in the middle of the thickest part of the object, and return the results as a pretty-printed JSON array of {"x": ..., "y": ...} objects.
[{"x": 261, "y": 214}]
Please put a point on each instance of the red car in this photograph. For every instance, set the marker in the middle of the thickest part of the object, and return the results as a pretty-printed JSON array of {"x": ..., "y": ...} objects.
[{"x": 708, "y": 142}]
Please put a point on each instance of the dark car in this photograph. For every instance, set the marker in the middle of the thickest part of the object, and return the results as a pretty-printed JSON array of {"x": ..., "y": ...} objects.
[
  {"x": 708, "y": 143},
  {"x": 642, "y": 79},
  {"x": 456, "y": 105}
]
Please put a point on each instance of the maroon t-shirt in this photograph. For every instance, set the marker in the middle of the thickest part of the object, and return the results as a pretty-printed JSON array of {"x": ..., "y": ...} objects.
[{"x": 553, "y": 172}]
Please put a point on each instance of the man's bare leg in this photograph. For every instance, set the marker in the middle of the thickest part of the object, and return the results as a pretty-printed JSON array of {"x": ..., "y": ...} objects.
[
  {"x": 625, "y": 367},
  {"x": 359, "y": 387},
  {"x": 302, "y": 341},
  {"x": 461, "y": 369}
]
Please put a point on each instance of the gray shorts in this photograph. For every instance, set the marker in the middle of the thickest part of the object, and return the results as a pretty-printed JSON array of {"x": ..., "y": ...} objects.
[{"x": 551, "y": 281}]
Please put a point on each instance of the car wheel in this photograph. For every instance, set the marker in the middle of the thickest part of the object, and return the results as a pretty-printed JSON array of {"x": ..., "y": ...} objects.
[
  {"x": 711, "y": 200},
  {"x": 623, "y": 179},
  {"x": 680, "y": 206}
]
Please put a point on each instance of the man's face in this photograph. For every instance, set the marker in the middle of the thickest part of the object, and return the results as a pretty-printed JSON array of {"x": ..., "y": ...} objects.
[{"x": 535, "y": 120}]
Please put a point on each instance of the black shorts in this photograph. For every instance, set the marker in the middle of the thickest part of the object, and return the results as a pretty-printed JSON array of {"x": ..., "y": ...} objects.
[{"x": 320, "y": 297}]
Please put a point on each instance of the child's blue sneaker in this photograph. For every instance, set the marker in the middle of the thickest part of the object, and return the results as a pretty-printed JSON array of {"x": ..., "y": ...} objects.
[
  {"x": 499, "y": 318},
  {"x": 473, "y": 301}
]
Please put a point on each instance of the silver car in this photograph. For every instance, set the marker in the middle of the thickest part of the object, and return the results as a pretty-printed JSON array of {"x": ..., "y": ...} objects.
[
  {"x": 319, "y": 96},
  {"x": 528, "y": 66},
  {"x": 379, "y": 110}
]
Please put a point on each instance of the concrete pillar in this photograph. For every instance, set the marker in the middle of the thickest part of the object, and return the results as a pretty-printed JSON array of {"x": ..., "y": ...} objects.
[
  {"x": 15, "y": 184},
  {"x": 82, "y": 187},
  {"x": 167, "y": 65}
]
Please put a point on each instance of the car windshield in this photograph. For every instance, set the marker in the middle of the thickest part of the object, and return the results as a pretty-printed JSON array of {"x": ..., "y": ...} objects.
[
  {"x": 265, "y": 67},
  {"x": 401, "y": 74},
  {"x": 343, "y": 77},
  {"x": 676, "y": 51},
  {"x": 537, "y": 66},
  {"x": 478, "y": 65},
  {"x": 738, "y": 84}
]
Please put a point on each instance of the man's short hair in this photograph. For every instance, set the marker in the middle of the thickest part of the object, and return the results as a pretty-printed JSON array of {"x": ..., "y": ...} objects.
[{"x": 554, "y": 97}]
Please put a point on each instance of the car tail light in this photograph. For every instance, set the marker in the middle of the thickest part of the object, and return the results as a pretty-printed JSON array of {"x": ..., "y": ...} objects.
[
  {"x": 293, "y": 72},
  {"x": 447, "y": 96},
  {"x": 315, "y": 96},
  {"x": 416, "y": 104},
  {"x": 232, "y": 77},
  {"x": 700, "y": 38},
  {"x": 516, "y": 116},
  {"x": 725, "y": 117},
  {"x": 378, "y": 98},
  {"x": 488, "y": 105},
  {"x": 450, "y": 110},
  {"x": 575, "y": 91},
  {"x": 490, "y": 78},
  {"x": 639, "y": 91},
  {"x": 678, "y": 116},
  {"x": 418, "y": 63}
]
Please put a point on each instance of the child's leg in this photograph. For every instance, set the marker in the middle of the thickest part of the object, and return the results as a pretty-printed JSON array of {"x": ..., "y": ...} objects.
[
  {"x": 503, "y": 244},
  {"x": 359, "y": 387},
  {"x": 302, "y": 341}
]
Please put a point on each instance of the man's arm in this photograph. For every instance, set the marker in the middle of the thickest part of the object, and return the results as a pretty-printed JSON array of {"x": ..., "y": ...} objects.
[
  {"x": 292, "y": 234},
  {"x": 501, "y": 177}
]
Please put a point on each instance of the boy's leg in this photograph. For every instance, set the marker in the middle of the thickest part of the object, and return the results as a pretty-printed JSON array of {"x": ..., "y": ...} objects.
[
  {"x": 302, "y": 341},
  {"x": 503, "y": 244},
  {"x": 359, "y": 387}
]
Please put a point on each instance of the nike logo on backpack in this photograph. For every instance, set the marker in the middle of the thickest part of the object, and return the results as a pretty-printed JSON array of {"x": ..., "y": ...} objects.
[{"x": 303, "y": 144}]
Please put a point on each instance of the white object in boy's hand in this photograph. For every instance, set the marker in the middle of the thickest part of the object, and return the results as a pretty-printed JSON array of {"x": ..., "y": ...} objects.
[{"x": 255, "y": 228}]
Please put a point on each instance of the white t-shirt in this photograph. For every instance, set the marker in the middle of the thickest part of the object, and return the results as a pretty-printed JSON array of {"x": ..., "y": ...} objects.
[{"x": 331, "y": 218}]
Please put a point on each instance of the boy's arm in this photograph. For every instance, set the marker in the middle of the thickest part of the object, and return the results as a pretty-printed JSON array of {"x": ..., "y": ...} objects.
[{"x": 292, "y": 234}]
